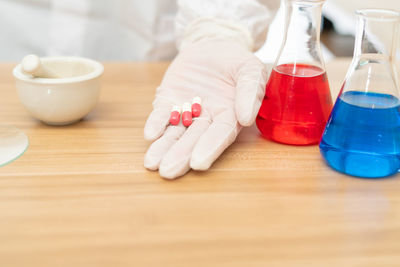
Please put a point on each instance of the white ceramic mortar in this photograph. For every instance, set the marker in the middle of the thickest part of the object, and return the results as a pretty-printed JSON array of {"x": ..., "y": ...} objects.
[{"x": 65, "y": 100}]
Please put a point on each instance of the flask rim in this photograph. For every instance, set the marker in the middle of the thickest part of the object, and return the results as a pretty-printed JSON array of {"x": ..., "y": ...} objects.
[{"x": 378, "y": 14}]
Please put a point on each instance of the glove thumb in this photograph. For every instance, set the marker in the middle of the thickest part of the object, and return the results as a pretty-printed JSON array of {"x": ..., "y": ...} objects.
[{"x": 250, "y": 89}]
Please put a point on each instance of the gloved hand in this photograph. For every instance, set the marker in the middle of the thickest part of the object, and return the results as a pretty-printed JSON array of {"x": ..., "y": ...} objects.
[{"x": 231, "y": 83}]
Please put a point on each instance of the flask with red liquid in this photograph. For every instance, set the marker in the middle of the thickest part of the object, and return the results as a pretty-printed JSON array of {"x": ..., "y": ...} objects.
[{"x": 297, "y": 101}]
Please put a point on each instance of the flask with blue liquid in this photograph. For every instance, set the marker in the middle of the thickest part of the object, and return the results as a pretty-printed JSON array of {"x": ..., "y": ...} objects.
[{"x": 362, "y": 136}]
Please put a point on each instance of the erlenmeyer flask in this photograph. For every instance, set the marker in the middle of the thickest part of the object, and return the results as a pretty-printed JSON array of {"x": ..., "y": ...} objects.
[
  {"x": 362, "y": 137},
  {"x": 297, "y": 101}
]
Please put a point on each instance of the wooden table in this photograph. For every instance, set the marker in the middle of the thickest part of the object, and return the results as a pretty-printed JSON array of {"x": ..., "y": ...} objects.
[{"x": 80, "y": 196}]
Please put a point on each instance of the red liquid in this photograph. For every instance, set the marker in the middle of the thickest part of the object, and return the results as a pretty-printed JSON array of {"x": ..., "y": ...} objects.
[{"x": 296, "y": 105}]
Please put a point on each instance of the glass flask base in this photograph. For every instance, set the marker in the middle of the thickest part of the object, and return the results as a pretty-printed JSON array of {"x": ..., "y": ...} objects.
[
  {"x": 290, "y": 133},
  {"x": 360, "y": 164}
]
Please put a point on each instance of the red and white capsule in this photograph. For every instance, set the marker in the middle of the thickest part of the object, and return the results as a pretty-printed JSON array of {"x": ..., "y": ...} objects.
[
  {"x": 175, "y": 115},
  {"x": 196, "y": 106},
  {"x": 186, "y": 114}
]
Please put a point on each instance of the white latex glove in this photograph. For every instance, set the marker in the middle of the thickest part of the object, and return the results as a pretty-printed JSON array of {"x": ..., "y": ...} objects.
[{"x": 231, "y": 83}]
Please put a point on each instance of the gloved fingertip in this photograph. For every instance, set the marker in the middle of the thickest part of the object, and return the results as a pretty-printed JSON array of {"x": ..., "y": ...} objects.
[
  {"x": 153, "y": 156},
  {"x": 169, "y": 172},
  {"x": 156, "y": 124},
  {"x": 245, "y": 121},
  {"x": 202, "y": 157},
  {"x": 247, "y": 117},
  {"x": 151, "y": 134},
  {"x": 150, "y": 162},
  {"x": 199, "y": 164},
  {"x": 167, "y": 176},
  {"x": 171, "y": 167}
]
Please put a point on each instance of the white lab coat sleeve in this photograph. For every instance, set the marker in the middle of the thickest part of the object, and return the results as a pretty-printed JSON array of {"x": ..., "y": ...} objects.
[{"x": 243, "y": 20}]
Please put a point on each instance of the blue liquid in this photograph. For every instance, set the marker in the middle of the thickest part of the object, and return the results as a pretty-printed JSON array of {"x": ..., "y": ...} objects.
[{"x": 362, "y": 136}]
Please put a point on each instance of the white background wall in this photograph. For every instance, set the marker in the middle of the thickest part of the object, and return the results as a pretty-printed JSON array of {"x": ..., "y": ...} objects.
[{"x": 28, "y": 26}]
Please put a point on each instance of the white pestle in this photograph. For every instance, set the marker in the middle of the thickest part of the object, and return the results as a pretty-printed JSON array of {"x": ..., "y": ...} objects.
[{"x": 32, "y": 65}]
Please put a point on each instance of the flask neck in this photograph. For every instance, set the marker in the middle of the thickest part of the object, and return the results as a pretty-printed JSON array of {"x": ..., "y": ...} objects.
[
  {"x": 372, "y": 69},
  {"x": 376, "y": 34},
  {"x": 301, "y": 43}
]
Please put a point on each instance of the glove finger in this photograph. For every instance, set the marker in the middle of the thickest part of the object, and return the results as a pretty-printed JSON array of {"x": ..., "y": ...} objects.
[
  {"x": 158, "y": 118},
  {"x": 250, "y": 91},
  {"x": 176, "y": 161},
  {"x": 220, "y": 135},
  {"x": 159, "y": 147}
]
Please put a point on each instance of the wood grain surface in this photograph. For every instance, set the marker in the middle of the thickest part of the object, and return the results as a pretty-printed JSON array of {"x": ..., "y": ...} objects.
[{"x": 80, "y": 196}]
